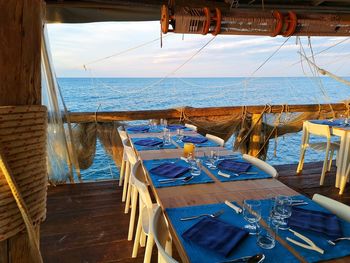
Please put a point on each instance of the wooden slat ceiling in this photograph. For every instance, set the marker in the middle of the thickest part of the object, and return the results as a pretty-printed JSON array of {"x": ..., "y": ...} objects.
[{"x": 75, "y": 11}]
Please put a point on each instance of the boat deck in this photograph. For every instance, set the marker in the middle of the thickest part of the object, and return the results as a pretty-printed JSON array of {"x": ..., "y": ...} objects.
[{"x": 86, "y": 222}]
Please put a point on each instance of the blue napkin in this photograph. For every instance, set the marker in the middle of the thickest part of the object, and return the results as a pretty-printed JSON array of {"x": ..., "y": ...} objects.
[
  {"x": 138, "y": 129},
  {"x": 148, "y": 142},
  {"x": 215, "y": 235},
  {"x": 337, "y": 122},
  {"x": 170, "y": 170},
  {"x": 317, "y": 221},
  {"x": 175, "y": 126},
  {"x": 234, "y": 166},
  {"x": 193, "y": 139}
]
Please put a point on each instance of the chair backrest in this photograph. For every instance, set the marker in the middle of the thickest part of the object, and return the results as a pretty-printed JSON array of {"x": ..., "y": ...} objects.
[
  {"x": 318, "y": 129},
  {"x": 160, "y": 231},
  {"x": 267, "y": 168},
  {"x": 339, "y": 209},
  {"x": 131, "y": 155},
  {"x": 190, "y": 126},
  {"x": 123, "y": 135},
  {"x": 138, "y": 180},
  {"x": 216, "y": 139}
]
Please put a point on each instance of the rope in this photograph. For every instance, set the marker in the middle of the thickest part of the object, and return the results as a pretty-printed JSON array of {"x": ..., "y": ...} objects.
[{"x": 33, "y": 240}]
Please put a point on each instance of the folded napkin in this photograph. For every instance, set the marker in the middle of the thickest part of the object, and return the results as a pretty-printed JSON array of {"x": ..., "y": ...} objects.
[
  {"x": 213, "y": 234},
  {"x": 316, "y": 221},
  {"x": 175, "y": 126},
  {"x": 233, "y": 166},
  {"x": 170, "y": 170},
  {"x": 148, "y": 142},
  {"x": 193, "y": 139},
  {"x": 138, "y": 129}
]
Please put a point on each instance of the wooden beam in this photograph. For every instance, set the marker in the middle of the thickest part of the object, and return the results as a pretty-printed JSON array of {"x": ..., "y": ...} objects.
[
  {"x": 317, "y": 2},
  {"x": 77, "y": 117},
  {"x": 254, "y": 144},
  {"x": 20, "y": 80}
]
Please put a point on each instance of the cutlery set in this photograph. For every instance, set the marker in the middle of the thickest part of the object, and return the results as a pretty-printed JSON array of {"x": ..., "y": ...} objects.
[{"x": 234, "y": 174}]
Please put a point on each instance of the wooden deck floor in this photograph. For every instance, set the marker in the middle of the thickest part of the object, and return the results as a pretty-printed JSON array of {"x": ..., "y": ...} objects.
[{"x": 86, "y": 222}]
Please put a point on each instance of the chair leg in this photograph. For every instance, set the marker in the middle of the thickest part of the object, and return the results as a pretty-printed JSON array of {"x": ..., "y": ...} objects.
[
  {"x": 133, "y": 212},
  {"x": 324, "y": 168},
  {"x": 149, "y": 248},
  {"x": 330, "y": 160},
  {"x": 169, "y": 246},
  {"x": 344, "y": 180},
  {"x": 301, "y": 159},
  {"x": 128, "y": 198},
  {"x": 121, "y": 175},
  {"x": 143, "y": 239},
  {"x": 126, "y": 180},
  {"x": 137, "y": 238}
]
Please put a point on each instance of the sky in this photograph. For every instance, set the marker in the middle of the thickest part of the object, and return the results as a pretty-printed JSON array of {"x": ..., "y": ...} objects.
[{"x": 76, "y": 45}]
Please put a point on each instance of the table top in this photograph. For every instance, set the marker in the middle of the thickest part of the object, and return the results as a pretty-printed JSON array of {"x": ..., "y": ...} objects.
[{"x": 198, "y": 194}]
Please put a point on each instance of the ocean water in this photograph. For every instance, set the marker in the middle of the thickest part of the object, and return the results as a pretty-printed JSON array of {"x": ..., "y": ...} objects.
[{"x": 117, "y": 94}]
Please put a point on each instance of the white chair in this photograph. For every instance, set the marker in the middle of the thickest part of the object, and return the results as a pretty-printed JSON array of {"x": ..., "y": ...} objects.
[
  {"x": 344, "y": 180},
  {"x": 146, "y": 211},
  {"x": 267, "y": 168},
  {"x": 339, "y": 209},
  {"x": 124, "y": 138},
  {"x": 328, "y": 147},
  {"x": 216, "y": 139},
  {"x": 191, "y": 126},
  {"x": 132, "y": 159},
  {"x": 162, "y": 237}
]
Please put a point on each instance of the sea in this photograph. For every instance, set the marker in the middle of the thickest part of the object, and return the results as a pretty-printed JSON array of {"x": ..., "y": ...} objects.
[{"x": 128, "y": 94}]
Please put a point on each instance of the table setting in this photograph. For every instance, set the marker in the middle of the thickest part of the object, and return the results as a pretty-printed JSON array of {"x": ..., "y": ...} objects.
[
  {"x": 152, "y": 143},
  {"x": 198, "y": 140}
]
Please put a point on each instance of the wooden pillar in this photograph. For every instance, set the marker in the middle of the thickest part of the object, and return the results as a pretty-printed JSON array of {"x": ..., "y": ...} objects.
[
  {"x": 254, "y": 144},
  {"x": 20, "y": 81}
]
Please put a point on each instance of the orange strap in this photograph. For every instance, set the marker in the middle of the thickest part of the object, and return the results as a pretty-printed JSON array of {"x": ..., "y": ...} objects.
[
  {"x": 279, "y": 23},
  {"x": 292, "y": 21}
]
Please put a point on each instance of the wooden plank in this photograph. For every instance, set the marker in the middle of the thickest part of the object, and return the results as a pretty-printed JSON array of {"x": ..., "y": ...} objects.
[
  {"x": 254, "y": 142},
  {"x": 76, "y": 117}
]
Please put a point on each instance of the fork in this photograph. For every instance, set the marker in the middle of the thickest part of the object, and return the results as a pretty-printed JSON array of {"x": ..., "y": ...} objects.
[
  {"x": 213, "y": 215},
  {"x": 332, "y": 242}
]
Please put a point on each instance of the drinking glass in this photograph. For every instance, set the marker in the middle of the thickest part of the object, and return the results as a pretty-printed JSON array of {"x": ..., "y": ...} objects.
[
  {"x": 213, "y": 157},
  {"x": 267, "y": 236},
  {"x": 252, "y": 214},
  {"x": 283, "y": 210},
  {"x": 180, "y": 135},
  {"x": 188, "y": 149},
  {"x": 166, "y": 137},
  {"x": 195, "y": 167},
  {"x": 152, "y": 124}
]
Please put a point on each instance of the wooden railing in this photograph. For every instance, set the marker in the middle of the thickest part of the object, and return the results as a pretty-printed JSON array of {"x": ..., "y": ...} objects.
[{"x": 78, "y": 117}]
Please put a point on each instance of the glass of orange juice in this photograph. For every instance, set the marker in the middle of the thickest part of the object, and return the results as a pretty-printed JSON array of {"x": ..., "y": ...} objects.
[{"x": 188, "y": 149}]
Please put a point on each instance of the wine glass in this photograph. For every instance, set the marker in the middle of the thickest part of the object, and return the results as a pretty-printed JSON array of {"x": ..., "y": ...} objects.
[
  {"x": 252, "y": 214},
  {"x": 283, "y": 210}
]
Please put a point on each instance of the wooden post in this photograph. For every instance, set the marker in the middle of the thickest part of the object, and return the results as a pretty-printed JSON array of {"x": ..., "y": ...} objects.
[
  {"x": 20, "y": 82},
  {"x": 254, "y": 144}
]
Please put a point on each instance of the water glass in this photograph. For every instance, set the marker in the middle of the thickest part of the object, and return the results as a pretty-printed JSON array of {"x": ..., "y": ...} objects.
[
  {"x": 152, "y": 124},
  {"x": 163, "y": 123},
  {"x": 180, "y": 135},
  {"x": 166, "y": 137},
  {"x": 283, "y": 210},
  {"x": 267, "y": 236},
  {"x": 195, "y": 167},
  {"x": 252, "y": 214},
  {"x": 213, "y": 157}
]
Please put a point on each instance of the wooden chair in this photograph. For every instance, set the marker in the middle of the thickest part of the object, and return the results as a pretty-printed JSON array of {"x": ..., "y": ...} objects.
[
  {"x": 146, "y": 211},
  {"x": 162, "y": 237},
  {"x": 328, "y": 147},
  {"x": 190, "y": 126},
  {"x": 267, "y": 168},
  {"x": 124, "y": 138},
  {"x": 216, "y": 139},
  {"x": 339, "y": 209}
]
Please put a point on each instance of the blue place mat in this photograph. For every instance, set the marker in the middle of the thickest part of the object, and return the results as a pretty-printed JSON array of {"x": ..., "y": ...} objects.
[
  {"x": 260, "y": 174},
  {"x": 174, "y": 128},
  {"x": 208, "y": 143},
  {"x": 145, "y": 148},
  {"x": 335, "y": 123},
  {"x": 200, "y": 179},
  {"x": 247, "y": 247},
  {"x": 130, "y": 131},
  {"x": 341, "y": 249}
]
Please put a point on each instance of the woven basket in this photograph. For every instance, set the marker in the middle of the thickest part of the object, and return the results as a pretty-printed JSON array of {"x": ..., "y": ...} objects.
[{"x": 23, "y": 144}]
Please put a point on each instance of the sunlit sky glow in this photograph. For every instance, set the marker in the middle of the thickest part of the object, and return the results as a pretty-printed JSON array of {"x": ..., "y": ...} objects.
[{"x": 73, "y": 45}]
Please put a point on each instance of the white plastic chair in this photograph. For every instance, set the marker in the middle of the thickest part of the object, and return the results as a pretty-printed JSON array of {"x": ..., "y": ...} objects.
[
  {"x": 146, "y": 211},
  {"x": 328, "y": 147},
  {"x": 345, "y": 180},
  {"x": 132, "y": 159},
  {"x": 339, "y": 209},
  {"x": 191, "y": 126},
  {"x": 162, "y": 237},
  {"x": 124, "y": 138},
  {"x": 267, "y": 168},
  {"x": 216, "y": 139}
]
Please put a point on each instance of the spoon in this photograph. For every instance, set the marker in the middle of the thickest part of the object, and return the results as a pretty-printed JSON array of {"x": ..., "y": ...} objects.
[{"x": 258, "y": 258}]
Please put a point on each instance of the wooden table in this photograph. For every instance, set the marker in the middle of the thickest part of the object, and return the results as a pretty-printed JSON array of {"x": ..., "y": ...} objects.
[{"x": 211, "y": 193}]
